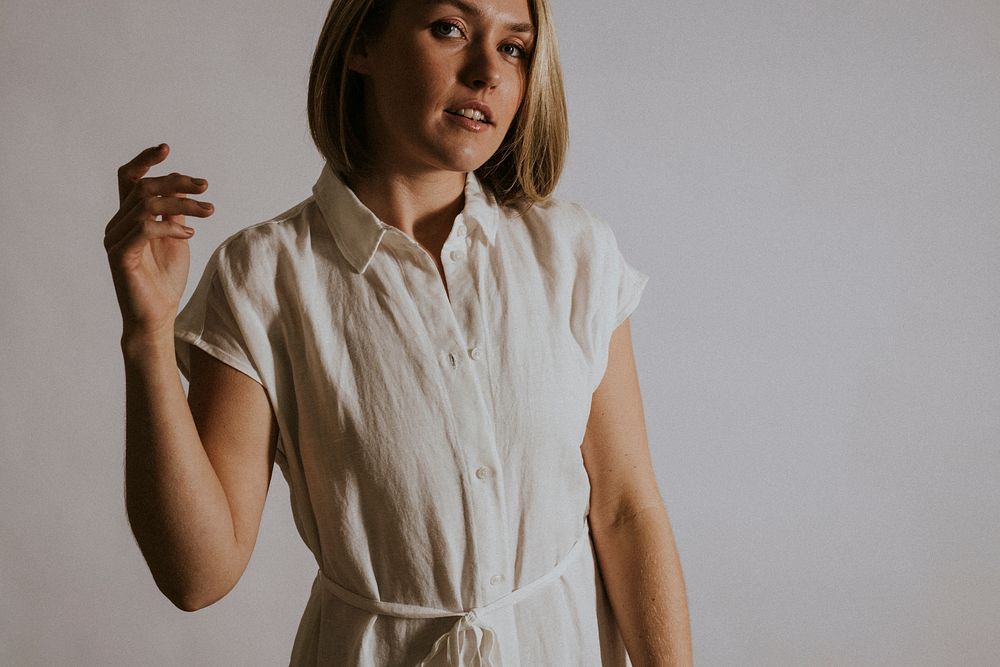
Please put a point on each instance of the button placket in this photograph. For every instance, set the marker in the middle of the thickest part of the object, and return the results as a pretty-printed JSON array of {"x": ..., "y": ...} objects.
[{"x": 467, "y": 385}]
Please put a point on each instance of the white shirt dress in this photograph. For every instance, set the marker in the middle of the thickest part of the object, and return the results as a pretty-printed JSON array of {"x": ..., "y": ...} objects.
[{"x": 430, "y": 439}]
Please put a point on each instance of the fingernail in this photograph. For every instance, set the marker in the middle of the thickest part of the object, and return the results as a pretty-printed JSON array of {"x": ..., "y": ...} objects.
[
  {"x": 198, "y": 181},
  {"x": 204, "y": 205}
]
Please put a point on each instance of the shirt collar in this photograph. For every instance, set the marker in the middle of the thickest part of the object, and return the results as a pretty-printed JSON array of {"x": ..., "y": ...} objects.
[{"x": 358, "y": 232}]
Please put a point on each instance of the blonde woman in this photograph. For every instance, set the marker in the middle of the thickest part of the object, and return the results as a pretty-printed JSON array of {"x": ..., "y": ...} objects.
[{"x": 434, "y": 350}]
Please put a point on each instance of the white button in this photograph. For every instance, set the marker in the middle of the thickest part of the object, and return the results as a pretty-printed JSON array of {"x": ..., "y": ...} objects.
[
  {"x": 460, "y": 230},
  {"x": 476, "y": 353},
  {"x": 483, "y": 472},
  {"x": 456, "y": 255},
  {"x": 496, "y": 579}
]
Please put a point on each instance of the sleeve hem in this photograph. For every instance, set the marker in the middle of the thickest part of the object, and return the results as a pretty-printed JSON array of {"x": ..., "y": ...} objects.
[
  {"x": 638, "y": 284},
  {"x": 191, "y": 338}
]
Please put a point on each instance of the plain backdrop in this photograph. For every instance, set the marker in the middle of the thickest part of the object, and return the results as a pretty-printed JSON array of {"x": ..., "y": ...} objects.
[{"x": 812, "y": 187}]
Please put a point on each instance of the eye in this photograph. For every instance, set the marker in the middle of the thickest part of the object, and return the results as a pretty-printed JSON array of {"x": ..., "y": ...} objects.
[
  {"x": 519, "y": 51},
  {"x": 443, "y": 28}
]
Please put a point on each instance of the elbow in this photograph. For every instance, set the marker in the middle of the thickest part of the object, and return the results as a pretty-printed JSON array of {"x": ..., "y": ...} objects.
[
  {"x": 188, "y": 594},
  {"x": 193, "y": 600},
  {"x": 187, "y": 604},
  {"x": 185, "y": 591},
  {"x": 191, "y": 582},
  {"x": 185, "y": 599}
]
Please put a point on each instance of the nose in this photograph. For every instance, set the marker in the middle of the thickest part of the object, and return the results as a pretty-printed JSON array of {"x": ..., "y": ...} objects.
[{"x": 483, "y": 68}]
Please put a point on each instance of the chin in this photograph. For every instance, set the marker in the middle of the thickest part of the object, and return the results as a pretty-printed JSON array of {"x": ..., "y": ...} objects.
[
  {"x": 464, "y": 163},
  {"x": 465, "y": 156}
]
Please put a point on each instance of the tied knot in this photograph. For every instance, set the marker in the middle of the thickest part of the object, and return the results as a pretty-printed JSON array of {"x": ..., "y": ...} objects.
[{"x": 469, "y": 643}]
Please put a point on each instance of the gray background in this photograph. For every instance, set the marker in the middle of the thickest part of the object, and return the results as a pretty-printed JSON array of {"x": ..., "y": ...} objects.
[{"x": 812, "y": 186}]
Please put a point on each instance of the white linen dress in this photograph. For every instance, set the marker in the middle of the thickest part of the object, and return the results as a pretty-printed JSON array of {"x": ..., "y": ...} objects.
[{"x": 430, "y": 440}]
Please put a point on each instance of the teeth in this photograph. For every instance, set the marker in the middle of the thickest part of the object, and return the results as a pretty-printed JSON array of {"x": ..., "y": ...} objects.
[{"x": 470, "y": 113}]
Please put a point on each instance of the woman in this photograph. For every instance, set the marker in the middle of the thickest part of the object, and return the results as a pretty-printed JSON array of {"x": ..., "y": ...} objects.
[{"x": 434, "y": 350}]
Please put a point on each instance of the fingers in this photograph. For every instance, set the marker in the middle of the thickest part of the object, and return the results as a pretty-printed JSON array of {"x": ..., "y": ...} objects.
[
  {"x": 143, "y": 214},
  {"x": 130, "y": 172},
  {"x": 171, "y": 184},
  {"x": 142, "y": 199},
  {"x": 142, "y": 232},
  {"x": 175, "y": 218}
]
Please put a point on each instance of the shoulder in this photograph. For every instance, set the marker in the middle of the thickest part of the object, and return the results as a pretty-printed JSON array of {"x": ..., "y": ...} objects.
[
  {"x": 259, "y": 248},
  {"x": 565, "y": 223}
]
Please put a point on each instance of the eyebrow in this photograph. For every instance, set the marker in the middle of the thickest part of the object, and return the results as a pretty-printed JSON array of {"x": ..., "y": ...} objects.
[{"x": 478, "y": 13}]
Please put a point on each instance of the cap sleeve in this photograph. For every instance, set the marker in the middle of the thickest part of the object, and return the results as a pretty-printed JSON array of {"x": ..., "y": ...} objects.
[
  {"x": 619, "y": 285},
  {"x": 616, "y": 288},
  {"x": 211, "y": 322},
  {"x": 628, "y": 283}
]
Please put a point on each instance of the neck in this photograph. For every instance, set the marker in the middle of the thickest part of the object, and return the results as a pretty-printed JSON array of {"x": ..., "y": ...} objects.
[{"x": 423, "y": 206}]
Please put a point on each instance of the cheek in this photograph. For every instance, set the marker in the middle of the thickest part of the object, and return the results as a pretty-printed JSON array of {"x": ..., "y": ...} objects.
[
  {"x": 410, "y": 76},
  {"x": 425, "y": 67},
  {"x": 516, "y": 100},
  {"x": 518, "y": 88}
]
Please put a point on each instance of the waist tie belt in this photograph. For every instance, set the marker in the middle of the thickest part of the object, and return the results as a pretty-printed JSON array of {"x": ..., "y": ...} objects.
[{"x": 455, "y": 648}]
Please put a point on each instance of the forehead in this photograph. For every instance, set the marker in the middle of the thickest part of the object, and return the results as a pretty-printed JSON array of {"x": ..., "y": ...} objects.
[{"x": 513, "y": 15}]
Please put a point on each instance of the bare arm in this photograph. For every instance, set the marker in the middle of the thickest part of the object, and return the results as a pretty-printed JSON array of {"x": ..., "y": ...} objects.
[
  {"x": 196, "y": 471},
  {"x": 632, "y": 534}
]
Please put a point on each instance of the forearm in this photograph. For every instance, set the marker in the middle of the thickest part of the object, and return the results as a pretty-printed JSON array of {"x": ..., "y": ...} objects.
[
  {"x": 645, "y": 585},
  {"x": 176, "y": 505}
]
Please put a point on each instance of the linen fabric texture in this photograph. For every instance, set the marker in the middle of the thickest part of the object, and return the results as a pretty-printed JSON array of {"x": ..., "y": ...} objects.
[{"x": 430, "y": 439}]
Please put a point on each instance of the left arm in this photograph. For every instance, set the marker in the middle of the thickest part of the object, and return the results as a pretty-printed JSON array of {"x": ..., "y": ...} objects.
[{"x": 631, "y": 529}]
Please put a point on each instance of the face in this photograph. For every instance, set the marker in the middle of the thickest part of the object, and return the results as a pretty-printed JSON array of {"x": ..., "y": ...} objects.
[{"x": 433, "y": 59}]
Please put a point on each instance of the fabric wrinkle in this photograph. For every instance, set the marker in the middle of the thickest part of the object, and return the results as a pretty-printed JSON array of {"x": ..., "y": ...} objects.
[
  {"x": 431, "y": 445},
  {"x": 455, "y": 647}
]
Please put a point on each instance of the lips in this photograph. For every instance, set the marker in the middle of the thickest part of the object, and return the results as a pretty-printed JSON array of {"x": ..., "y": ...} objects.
[
  {"x": 483, "y": 121},
  {"x": 474, "y": 105},
  {"x": 477, "y": 126}
]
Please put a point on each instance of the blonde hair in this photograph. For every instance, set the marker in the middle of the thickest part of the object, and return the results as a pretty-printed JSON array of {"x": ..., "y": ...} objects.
[{"x": 525, "y": 168}]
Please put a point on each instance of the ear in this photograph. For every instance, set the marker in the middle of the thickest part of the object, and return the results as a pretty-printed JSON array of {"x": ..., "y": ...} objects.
[{"x": 357, "y": 59}]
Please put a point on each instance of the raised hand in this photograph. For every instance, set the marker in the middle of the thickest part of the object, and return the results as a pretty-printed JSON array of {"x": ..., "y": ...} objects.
[{"x": 150, "y": 258}]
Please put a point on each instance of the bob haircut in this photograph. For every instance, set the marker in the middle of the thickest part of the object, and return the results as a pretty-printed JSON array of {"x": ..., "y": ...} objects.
[{"x": 525, "y": 168}]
